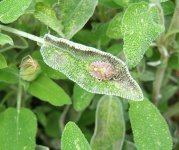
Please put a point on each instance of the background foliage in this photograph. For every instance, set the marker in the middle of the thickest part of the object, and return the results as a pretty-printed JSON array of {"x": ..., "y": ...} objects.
[{"x": 43, "y": 103}]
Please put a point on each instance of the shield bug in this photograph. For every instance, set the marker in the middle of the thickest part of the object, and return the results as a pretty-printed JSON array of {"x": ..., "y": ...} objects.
[{"x": 102, "y": 70}]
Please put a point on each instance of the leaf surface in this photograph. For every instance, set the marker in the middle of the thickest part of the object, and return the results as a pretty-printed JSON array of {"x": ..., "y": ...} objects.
[
  {"x": 47, "y": 90},
  {"x": 11, "y": 10},
  {"x": 114, "y": 28},
  {"x": 139, "y": 27},
  {"x": 9, "y": 75},
  {"x": 73, "y": 138},
  {"x": 47, "y": 15},
  {"x": 81, "y": 98},
  {"x": 109, "y": 126},
  {"x": 75, "y": 14},
  {"x": 149, "y": 127},
  {"x": 17, "y": 130},
  {"x": 74, "y": 60},
  {"x": 5, "y": 39},
  {"x": 3, "y": 63}
]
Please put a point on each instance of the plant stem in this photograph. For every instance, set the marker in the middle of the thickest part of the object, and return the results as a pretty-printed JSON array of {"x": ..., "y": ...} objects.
[
  {"x": 62, "y": 118},
  {"x": 164, "y": 57},
  {"x": 174, "y": 25},
  {"x": 6, "y": 97},
  {"x": 21, "y": 33},
  {"x": 19, "y": 96}
]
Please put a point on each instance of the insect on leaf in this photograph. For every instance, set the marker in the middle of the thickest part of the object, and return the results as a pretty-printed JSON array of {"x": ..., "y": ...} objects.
[{"x": 92, "y": 69}]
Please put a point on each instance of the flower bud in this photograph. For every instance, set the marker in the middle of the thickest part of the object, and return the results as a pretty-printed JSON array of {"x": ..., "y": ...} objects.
[{"x": 29, "y": 69}]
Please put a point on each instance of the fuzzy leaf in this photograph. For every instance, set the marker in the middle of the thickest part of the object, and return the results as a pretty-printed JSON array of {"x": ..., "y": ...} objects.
[
  {"x": 5, "y": 39},
  {"x": 114, "y": 28},
  {"x": 75, "y": 14},
  {"x": 73, "y": 138},
  {"x": 17, "y": 130},
  {"x": 74, "y": 60},
  {"x": 139, "y": 28},
  {"x": 47, "y": 90},
  {"x": 45, "y": 14},
  {"x": 149, "y": 127},
  {"x": 81, "y": 98},
  {"x": 109, "y": 126},
  {"x": 10, "y": 10}
]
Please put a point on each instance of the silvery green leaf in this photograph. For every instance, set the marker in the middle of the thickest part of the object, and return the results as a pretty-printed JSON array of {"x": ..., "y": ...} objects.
[
  {"x": 74, "y": 60},
  {"x": 47, "y": 15},
  {"x": 17, "y": 129},
  {"x": 73, "y": 138},
  {"x": 10, "y": 10},
  {"x": 114, "y": 28},
  {"x": 149, "y": 127},
  {"x": 140, "y": 28},
  {"x": 74, "y": 14},
  {"x": 109, "y": 126}
]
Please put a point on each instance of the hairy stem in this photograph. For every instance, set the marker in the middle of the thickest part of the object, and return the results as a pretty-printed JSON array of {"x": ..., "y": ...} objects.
[
  {"x": 19, "y": 96},
  {"x": 21, "y": 33},
  {"x": 164, "y": 58},
  {"x": 62, "y": 118}
]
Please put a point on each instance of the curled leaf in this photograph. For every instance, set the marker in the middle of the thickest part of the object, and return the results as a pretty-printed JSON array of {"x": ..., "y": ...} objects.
[{"x": 74, "y": 60}]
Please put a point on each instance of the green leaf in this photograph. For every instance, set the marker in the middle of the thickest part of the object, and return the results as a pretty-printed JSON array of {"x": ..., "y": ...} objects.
[
  {"x": 74, "y": 60},
  {"x": 95, "y": 37},
  {"x": 81, "y": 98},
  {"x": 149, "y": 127},
  {"x": 115, "y": 49},
  {"x": 45, "y": 14},
  {"x": 122, "y": 3},
  {"x": 174, "y": 61},
  {"x": 73, "y": 138},
  {"x": 52, "y": 129},
  {"x": 5, "y": 39},
  {"x": 108, "y": 3},
  {"x": 9, "y": 75},
  {"x": 147, "y": 75},
  {"x": 3, "y": 63},
  {"x": 47, "y": 90},
  {"x": 51, "y": 73},
  {"x": 75, "y": 14},
  {"x": 109, "y": 126},
  {"x": 40, "y": 147},
  {"x": 139, "y": 28},
  {"x": 168, "y": 7},
  {"x": 17, "y": 129},
  {"x": 114, "y": 28},
  {"x": 11, "y": 10}
]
